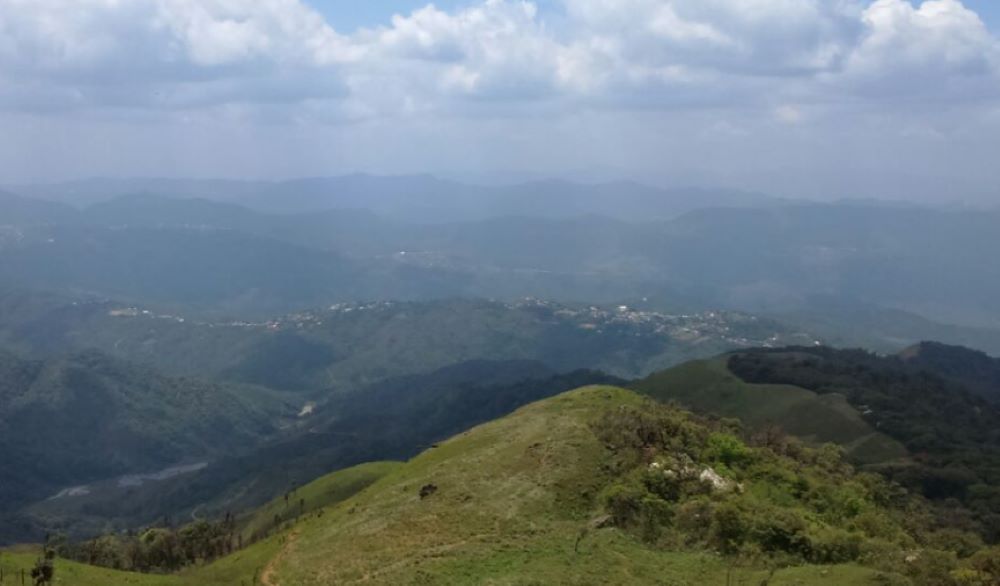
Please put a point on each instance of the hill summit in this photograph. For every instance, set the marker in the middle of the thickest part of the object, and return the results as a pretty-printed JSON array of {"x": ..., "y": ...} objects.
[
  {"x": 600, "y": 485},
  {"x": 603, "y": 486}
]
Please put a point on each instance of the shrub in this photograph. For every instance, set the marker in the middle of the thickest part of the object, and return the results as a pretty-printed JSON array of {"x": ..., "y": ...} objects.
[
  {"x": 834, "y": 546},
  {"x": 633, "y": 508},
  {"x": 623, "y": 503},
  {"x": 780, "y": 530},
  {"x": 727, "y": 449},
  {"x": 694, "y": 518},
  {"x": 729, "y": 528}
]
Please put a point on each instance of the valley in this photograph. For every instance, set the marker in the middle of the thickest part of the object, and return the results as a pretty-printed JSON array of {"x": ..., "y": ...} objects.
[
  {"x": 211, "y": 392},
  {"x": 499, "y": 293}
]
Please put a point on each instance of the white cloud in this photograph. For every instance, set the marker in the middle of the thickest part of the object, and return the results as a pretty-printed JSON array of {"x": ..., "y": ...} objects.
[
  {"x": 662, "y": 74},
  {"x": 739, "y": 36},
  {"x": 937, "y": 48},
  {"x": 191, "y": 53},
  {"x": 163, "y": 53},
  {"x": 220, "y": 32}
]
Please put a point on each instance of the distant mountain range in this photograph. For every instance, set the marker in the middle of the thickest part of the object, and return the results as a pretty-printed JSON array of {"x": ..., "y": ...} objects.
[
  {"x": 414, "y": 198},
  {"x": 184, "y": 363},
  {"x": 219, "y": 257}
]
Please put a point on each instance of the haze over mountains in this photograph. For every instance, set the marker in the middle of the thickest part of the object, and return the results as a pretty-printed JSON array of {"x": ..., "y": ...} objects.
[
  {"x": 499, "y": 293},
  {"x": 177, "y": 350},
  {"x": 364, "y": 237},
  {"x": 419, "y": 198}
]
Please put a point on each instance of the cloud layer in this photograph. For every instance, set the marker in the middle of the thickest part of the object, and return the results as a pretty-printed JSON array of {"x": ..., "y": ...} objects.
[
  {"x": 198, "y": 53},
  {"x": 746, "y": 62}
]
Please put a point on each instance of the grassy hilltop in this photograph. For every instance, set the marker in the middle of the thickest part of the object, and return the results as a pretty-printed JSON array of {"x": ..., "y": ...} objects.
[
  {"x": 518, "y": 500},
  {"x": 595, "y": 486}
]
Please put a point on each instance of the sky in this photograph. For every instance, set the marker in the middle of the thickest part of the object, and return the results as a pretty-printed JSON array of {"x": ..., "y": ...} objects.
[
  {"x": 350, "y": 15},
  {"x": 799, "y": 98}
]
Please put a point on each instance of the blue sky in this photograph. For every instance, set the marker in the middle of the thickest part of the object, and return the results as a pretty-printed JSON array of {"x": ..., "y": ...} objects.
[
  {"x": 348, "y": 15},
  {"x": 811, "y": 98}
]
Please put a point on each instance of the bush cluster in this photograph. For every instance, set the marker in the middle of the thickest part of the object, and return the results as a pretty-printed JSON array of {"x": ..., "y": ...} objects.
[{"x": 689, "y": 482}]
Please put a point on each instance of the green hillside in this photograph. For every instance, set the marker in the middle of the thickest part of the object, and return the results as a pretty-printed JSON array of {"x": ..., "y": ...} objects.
[
  {"x": 596, "y": 486},
  {"x": 572, "y": 490},
  {"x": 243, "y": 568},
  {"x": 75, "y": 574},
  {"x": 936, "y": 406},
  {"x": 707, "y": 386},
  {"x": 323, "y": 492}
]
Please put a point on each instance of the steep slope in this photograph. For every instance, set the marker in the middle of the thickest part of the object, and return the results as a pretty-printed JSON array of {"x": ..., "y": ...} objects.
[
  {"x": 707, "y": 386},
  {"x": 543, "y": 496},
  {"x": 325, "y": 491},
  {"x": 70, "y": 421}
]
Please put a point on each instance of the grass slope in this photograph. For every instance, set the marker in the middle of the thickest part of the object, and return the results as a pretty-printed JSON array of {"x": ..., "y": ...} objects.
[
  {"x": 707, "y": 386},
  {"x": 565, "y": 491},
  {"x": 512, "y": 498},
  {"x": 72, "y": 573},
  {"x": 243, "y": 568},
  {"x": 322, "y": 492}
]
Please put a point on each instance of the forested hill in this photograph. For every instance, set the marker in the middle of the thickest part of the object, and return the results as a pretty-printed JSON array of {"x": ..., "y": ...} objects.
[
  {"x": 68, "y": 421},
  {"x": 952, "y": 433},
  {"x": 352, "y": 345},
  {"x": 976, "y": 370}
]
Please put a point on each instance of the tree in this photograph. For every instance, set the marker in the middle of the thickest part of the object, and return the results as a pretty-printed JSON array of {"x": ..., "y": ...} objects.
[{"x": 44, "y": 569}]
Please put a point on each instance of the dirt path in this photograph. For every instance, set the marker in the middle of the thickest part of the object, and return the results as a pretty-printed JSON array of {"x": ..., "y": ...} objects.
[{"x": 267, "y": 577}]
